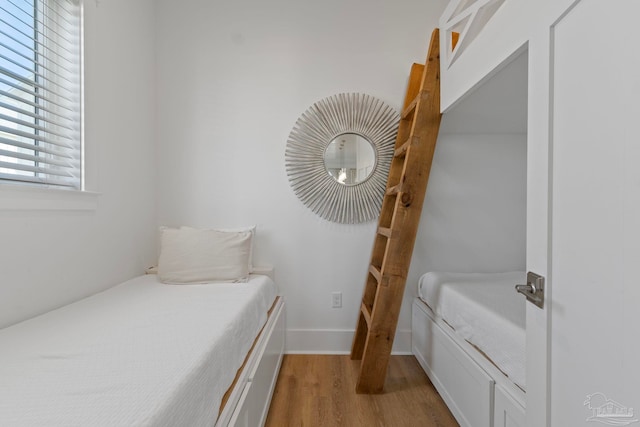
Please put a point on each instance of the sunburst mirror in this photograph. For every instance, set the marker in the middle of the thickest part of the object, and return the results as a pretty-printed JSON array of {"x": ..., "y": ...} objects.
[{"x": 338, "y": 156}]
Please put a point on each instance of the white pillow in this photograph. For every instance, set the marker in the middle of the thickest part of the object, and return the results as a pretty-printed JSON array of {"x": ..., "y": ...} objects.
[
  {"x": 189, "y": 255},
  {"x": 251, "y": 229}
]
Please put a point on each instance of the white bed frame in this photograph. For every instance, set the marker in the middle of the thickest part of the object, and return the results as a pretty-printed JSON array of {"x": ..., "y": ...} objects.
[
  {"x": 248, "y": 403},
  {"x": 477, "y": 393}
]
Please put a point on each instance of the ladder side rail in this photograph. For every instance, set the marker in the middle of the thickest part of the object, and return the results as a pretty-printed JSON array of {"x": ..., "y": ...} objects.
[{"x": 400, "y": 214}]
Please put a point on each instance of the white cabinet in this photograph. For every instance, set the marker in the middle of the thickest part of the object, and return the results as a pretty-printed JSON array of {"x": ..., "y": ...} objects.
[
  {"x": 263, "y": 366},
  {"x": 465, "y": 387},
  {"x": 506, "y": 411}
]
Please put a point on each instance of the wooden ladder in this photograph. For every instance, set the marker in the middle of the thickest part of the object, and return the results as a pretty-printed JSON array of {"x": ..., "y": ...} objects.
[{"x": 398, "y": 222}]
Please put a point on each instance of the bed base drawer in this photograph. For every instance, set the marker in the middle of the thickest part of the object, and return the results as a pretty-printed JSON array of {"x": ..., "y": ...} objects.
[
  {"x": 506, "y": 411},
  {"x": 463, "y": 384},
  {"x": 253, "y": 405}
]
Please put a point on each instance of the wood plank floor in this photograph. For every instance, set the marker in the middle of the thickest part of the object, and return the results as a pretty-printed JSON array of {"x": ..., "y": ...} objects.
[{"x": 319, "y": 390}]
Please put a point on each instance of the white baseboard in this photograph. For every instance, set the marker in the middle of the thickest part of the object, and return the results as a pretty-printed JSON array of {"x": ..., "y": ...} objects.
[{"x": 336, "y": 341}]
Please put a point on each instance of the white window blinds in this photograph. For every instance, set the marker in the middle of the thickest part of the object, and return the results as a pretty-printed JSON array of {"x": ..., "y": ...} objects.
[{"x": 40, "y": 92}]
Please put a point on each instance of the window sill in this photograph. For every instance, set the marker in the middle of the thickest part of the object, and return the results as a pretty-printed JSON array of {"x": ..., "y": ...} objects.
[{"x": 26, "y": 198}]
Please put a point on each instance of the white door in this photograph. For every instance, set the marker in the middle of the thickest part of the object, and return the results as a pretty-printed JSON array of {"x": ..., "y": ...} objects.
[{"x": 594, "y": 273}]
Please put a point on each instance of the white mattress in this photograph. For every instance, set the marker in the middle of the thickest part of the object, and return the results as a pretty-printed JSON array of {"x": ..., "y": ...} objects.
[
  {"x": 139, "y": 354},
  {"x": 485, "y": 310}
]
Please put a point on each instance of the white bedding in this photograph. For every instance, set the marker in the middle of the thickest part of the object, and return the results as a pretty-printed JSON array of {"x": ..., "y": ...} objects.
[
  {"x": 485, "y": 310},
  {"x": 139, "y": 354}
]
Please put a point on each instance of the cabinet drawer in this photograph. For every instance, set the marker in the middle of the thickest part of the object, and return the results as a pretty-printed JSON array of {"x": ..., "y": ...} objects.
[
  {"x": 465, "y": 387},
  {"x": 507, "y": 412}
]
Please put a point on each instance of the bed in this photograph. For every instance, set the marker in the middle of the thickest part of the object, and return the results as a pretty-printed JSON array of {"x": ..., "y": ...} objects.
[
  {"x": 147, "y": 353},
  {"x": 468, "y": 334}
]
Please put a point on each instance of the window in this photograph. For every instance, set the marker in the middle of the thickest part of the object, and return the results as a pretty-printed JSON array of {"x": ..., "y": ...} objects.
[{"x": 40, "y": 92}]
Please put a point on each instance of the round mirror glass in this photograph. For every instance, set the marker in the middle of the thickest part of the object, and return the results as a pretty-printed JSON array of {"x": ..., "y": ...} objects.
[{"x": 350, "y": 158}]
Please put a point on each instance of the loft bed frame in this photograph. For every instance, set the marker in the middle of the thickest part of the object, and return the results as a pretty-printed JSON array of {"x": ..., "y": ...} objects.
[{"x": 473, "y": 49}]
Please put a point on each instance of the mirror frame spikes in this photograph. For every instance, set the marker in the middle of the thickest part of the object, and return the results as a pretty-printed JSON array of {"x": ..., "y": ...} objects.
[{"x": 315, "y": 129}]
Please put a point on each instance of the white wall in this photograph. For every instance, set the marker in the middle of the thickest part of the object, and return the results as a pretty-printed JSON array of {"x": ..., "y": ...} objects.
[
  {"x": 474, "y": 213},
  {"x": 232, "y": 80},
  {"x": 475, "y": 210},
  {"x": 52, "y": 255}
]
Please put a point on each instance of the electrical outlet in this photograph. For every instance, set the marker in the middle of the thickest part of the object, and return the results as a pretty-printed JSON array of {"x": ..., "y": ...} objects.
[{"x": 336, "y": 300}]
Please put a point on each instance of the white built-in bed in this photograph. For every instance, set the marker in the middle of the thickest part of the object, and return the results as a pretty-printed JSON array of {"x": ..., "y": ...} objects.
[
  {"x": 145, "y": 353},
  {"x": 468, "y": 333},
  {"x": 468, "y": 330}
]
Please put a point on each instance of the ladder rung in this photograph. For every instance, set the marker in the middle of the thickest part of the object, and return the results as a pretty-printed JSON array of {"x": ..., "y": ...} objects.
[
  {"x": 392, "y": 191},
  {"x": 384, "y": 231},
  {"x": 375, "y": 272},
  {"x": 410, "y": 108},
  {"x": 402, "y": 150},
  {"x": 366, "y": 313},
  {"x": 423, "y": 94}
]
